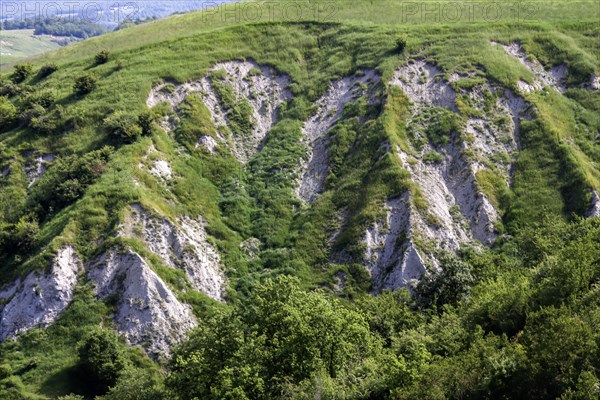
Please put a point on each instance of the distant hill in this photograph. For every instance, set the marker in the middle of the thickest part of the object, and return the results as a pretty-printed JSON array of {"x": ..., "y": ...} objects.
[
  {"x": 19, "y": 44},
  {"x": 108, "y": 14}
]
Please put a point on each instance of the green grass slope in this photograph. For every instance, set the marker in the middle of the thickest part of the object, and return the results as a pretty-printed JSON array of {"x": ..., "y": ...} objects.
[{"x": 20, "y": 44}]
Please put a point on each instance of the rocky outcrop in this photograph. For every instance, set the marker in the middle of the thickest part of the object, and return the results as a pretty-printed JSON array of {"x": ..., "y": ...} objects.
[
  {"x": 162, "y": 169},
  {"x": 594, "y": 208},
  {"x": 261, "y": 87},
  {"x": 424, "y": 85},
  {"x": 458, "y": 210},
  {"x": 391, "y": 256},
  {"x": 444, "y": 174},
  {"x": 184, "y": 246},
  {"x": 35, "y": 169},
  {"x": 147, "y": 312},
  {"x": 208, "y": 143},
  {"x": 595, "y": 82},
  {"x": 554, "y": 78},
  {"x": 42, "y": 296},
  {"x": 314, "y": 170}
]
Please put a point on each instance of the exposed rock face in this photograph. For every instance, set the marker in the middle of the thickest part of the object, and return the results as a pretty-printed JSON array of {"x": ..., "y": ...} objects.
[
  {"x": 457, "y": 210},
  {"x": 555, "y": 78},
  {"x": 251, "y": 247},
  {"x": 182, "y": 246},
  {"x": 442, "y": 190},
  {"x": 35, "y": 169},
  {"x": 391, "y": 256},
  {"x": 162, "y": 170},
  {"x": 148, "y": 313},
  {"x": 208, "y": 143},
  {"x": 259, "y": 86},
  {"x": 331, "y": 106},
  {"x": 423, "y": 85},
  {"x": 41, "y": 298},
  {"x": 595, "y": 82},
  {"x": 594, "y": 209}
]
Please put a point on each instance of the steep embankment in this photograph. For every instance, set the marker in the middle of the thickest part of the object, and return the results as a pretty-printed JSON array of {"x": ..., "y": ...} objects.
[{"x": 242, "y": 98}]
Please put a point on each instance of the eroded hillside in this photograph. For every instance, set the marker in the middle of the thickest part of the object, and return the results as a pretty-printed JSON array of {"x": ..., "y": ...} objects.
[{"x": 321, "y": 151}]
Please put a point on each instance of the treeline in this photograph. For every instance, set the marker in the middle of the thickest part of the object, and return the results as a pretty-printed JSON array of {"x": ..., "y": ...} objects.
[
  {"x": 128, "y": 23},
  {"x": 75, "y": 27}
]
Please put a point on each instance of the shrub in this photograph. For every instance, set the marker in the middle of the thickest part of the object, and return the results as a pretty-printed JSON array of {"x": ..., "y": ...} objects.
[
  {"x": 101, "y": 361},
  {"x": 26, "y": 233},
  {"x": 146, "y": 122},
  {"x": 5, "y": 370},
  {"x": 450, "y": 285},
  {"x": 47, "y": 70},
  {"x": 85, "y": 84},
  {"x": 443, "y": 124},
  {"x": 102, "y": 57},
  {"x": 8, "y": 112},
  {"x": 401, "y": 42},
  {"x": 45, "y": 99},
  {"x": 35, "y": 111},
  {"x": 124, "y": 125},
  {"x": 22, "y": 72},
  {"x": 9, "y": 89},
  {"x": 242, "y": 121},
  {"x": 44, "y": 124}
]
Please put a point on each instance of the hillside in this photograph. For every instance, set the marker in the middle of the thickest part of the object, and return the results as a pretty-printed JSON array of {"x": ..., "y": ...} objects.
[
  {"x": 20, "y": 44},
  {"x": 364, "y": 204}
]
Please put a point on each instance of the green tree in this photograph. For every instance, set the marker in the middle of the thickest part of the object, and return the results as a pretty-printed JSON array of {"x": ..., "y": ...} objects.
[
  {"x": 279, "y": 337},
  {"x": 137, "y": 384},
  {"x": 451, "y": 284},
  {"x": 101, "y": 361},
  {"x": 26, "y": 233},
  {"x": 47, "y": 70}
]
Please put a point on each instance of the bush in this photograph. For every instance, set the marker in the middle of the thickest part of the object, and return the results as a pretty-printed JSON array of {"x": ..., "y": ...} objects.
[
  {"x": 9, "y": 89},
  {"x": 101, "y": 361},
  {"x": 45, "y": 99},
  {"x": 8, "y": 112},
  {"x": 44, "y": 124},
  {"x": 102, "y": 57},
  {"x": 146, "y": 122},
  {"x": 401, "y": 42},
  {"x": 433, "y": 157},
  {"x": 22, "y": 72},
  {"x": 66, "y": 180},
  {"x": 442, "y": 125},
  {"x": 26, "y": 233},
  {"x": 448, "y": 286},
  {"x": 124, "y": 125},
  {"x": 35, "y": 111},
  {"x": 85, "y": 84},
  {"x": 47, "y": 70}
]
